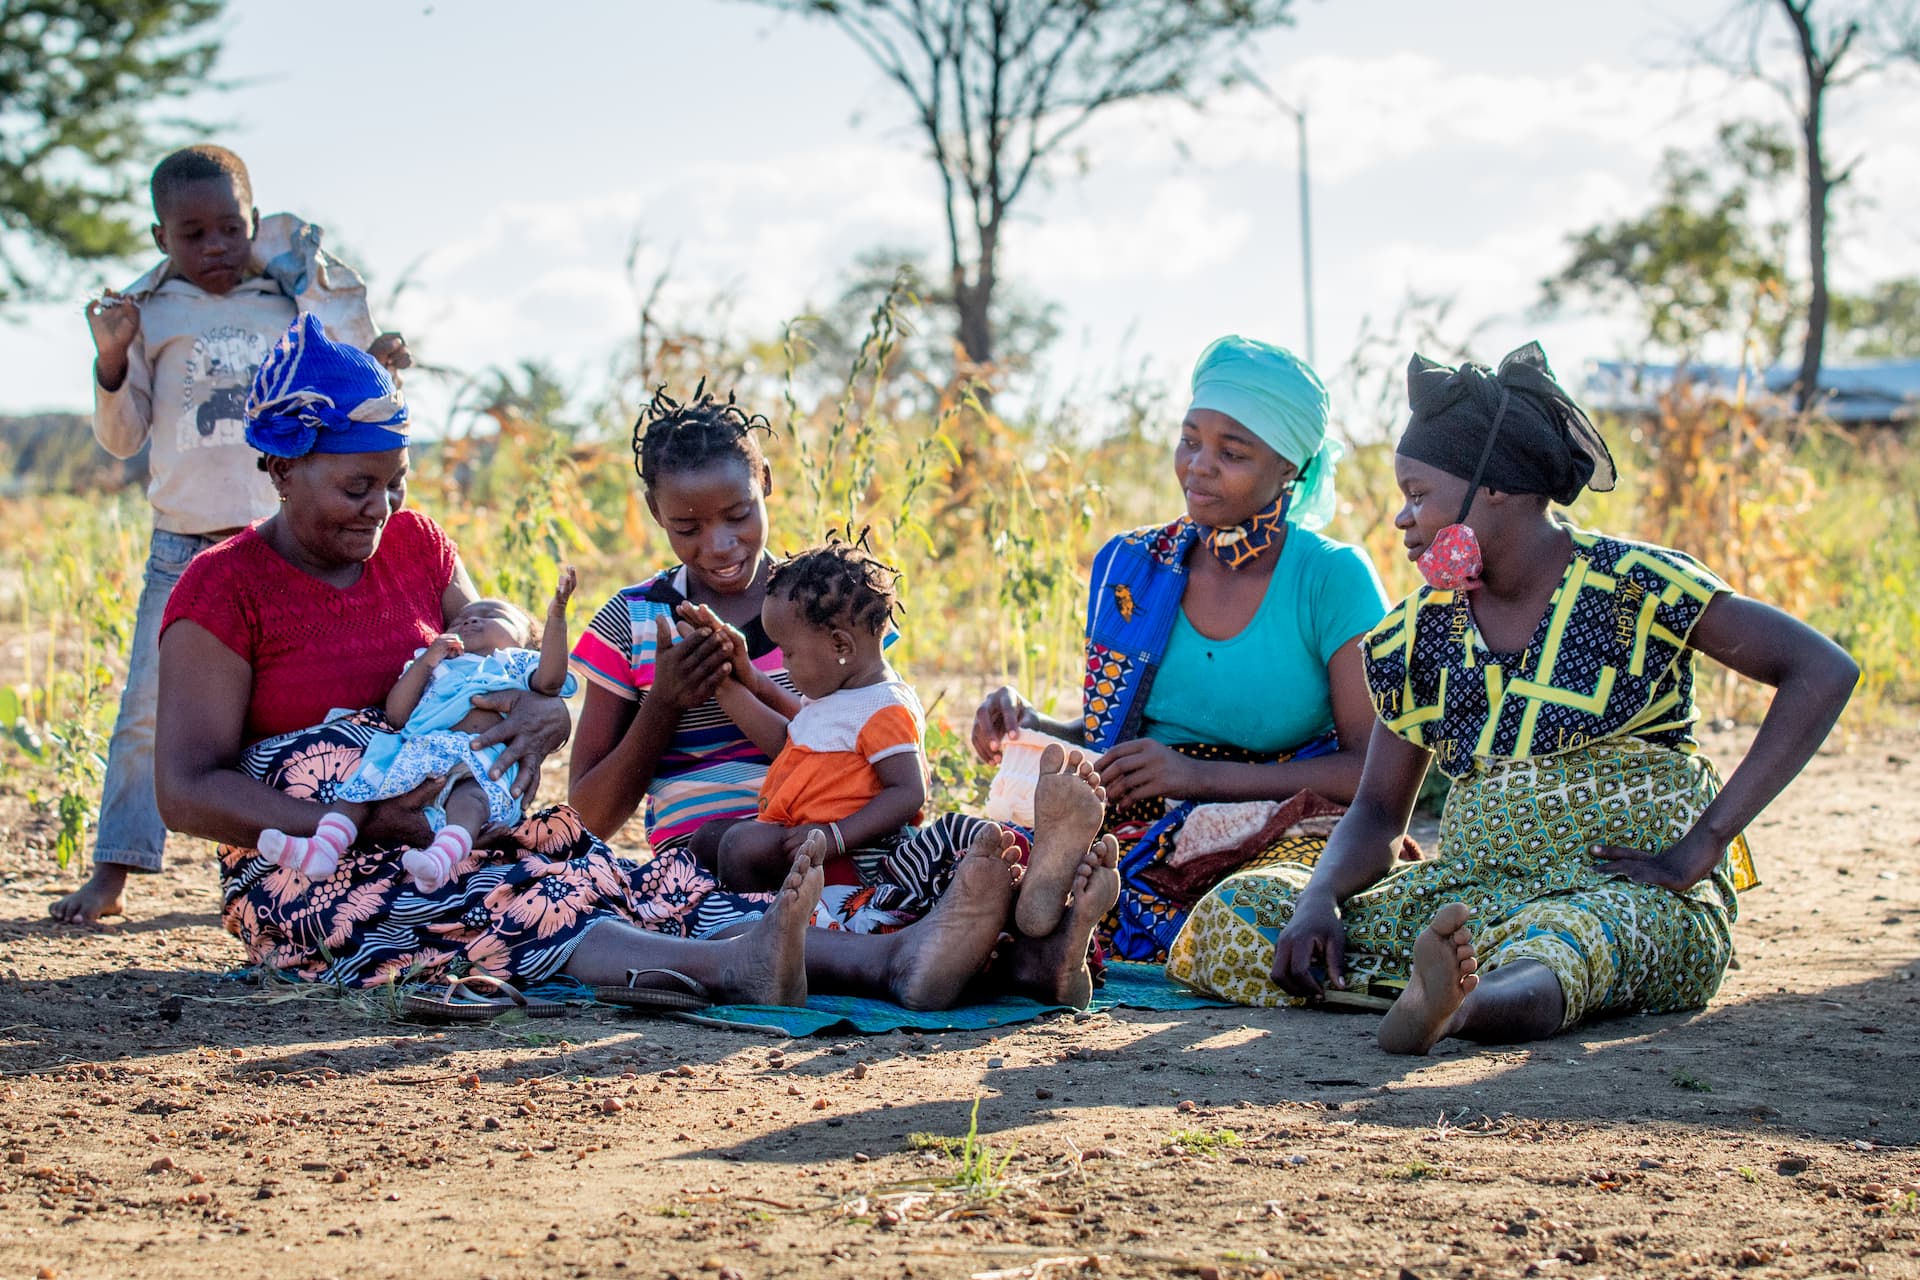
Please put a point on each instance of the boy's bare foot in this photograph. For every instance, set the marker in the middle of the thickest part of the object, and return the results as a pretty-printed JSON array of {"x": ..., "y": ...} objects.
[
  {"x": 1068, "y": 804},
  {"x": 768, "y": 963},
  {"x": 934, "y": 959},
  {"x": 99, "y": 897},
  {"x": 1444, "y": 973},
  {"x": 1053, "y": 969}
]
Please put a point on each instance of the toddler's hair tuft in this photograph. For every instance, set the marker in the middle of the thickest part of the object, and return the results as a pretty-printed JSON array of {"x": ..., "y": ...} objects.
[{"x": 840, "y": 583}]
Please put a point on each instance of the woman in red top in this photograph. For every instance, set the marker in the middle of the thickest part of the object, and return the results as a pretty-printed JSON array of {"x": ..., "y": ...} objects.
[{"x": 319, "y": 607}]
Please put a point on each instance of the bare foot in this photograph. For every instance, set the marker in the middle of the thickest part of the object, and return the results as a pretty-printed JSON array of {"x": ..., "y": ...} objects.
[
  {"x": 816, "y": 848},
  {"x": 98, "y": 898},
  {"x": 934, "y": 959},
  {"x": 1053, "y": 969},
  {"x": 1068, "y": 804},
  {"x": 1444, "y": 972},
  {"x": 768, "y": 963}
]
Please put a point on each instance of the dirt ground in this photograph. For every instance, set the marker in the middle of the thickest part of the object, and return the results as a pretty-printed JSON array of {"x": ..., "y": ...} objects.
[{"x": 159, "y": 1120}]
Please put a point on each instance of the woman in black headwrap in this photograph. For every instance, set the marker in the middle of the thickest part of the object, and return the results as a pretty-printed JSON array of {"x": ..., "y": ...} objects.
[{"x": 1549, "y": 671}]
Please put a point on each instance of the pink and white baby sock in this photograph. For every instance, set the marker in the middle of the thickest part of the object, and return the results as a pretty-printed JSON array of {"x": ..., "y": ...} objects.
[
  {"x": 433, "y": 866},
  {"x": 313, "y": 856}
]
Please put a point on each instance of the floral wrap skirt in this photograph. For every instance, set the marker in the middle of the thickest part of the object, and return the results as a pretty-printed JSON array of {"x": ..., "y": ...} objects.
[{"x": 515, "y": 913}]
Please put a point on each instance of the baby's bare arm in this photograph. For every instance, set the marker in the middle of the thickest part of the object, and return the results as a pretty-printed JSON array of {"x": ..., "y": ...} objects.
[
  {"x": 407, "y": 690},
  {"x": 552, "y": 672}
]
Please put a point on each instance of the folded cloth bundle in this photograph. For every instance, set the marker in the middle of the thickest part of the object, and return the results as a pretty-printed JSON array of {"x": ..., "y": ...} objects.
[{"x": 1218, "y": 839}]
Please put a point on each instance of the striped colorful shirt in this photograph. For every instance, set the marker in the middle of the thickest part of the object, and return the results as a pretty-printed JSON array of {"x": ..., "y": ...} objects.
[{"x": 710, "y": 769}]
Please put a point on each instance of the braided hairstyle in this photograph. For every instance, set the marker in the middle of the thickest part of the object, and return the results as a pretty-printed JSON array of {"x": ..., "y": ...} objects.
[
  {"x": 839, "y": 583},
  {"x": 672, "y": 437}
]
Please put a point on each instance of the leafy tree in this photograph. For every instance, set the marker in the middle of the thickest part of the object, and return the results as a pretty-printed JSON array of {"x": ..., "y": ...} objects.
[
  {"x": 999, "y": 87},
  {"x": 1881, "y": 323},
  {"x": 1701, "y": 261},
  {"x": 1835, "y": 44},
  {"x": 76, "y": 77}
]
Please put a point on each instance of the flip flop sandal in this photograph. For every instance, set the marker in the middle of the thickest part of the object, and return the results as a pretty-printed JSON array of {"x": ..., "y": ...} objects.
[
  {"x": 635, "y": 996},
  {"x": 464, "y": 1001}
]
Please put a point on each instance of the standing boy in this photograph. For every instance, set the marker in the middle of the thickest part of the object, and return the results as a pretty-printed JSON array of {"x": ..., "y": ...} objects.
[{"x": 177, "y": 353}]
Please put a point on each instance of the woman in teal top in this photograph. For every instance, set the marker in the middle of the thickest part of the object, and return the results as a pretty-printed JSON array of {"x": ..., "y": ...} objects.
[
  {"x": 1222, "y": 649},
  {"x": 1266, "y": 690}
]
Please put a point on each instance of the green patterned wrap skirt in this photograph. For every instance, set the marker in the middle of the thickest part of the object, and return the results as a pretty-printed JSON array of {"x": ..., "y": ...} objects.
[{"x": 1514, "y": 841}]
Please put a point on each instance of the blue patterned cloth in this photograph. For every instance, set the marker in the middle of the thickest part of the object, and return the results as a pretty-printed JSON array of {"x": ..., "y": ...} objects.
[
  {"x": 1138, "y": 581},
  {"x": 314, "y": 395}
]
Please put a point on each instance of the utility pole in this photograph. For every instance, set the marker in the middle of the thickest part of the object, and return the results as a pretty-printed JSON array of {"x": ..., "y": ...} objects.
[{"x": 1299, "y": 115}]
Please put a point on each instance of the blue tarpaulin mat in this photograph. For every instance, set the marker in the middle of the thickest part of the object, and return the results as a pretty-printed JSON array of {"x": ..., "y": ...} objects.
[{"x": 1131, "y": 986}]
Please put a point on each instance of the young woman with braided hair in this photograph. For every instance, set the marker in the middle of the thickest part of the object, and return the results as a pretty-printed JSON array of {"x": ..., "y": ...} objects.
[{"x": 688, "y": 679}]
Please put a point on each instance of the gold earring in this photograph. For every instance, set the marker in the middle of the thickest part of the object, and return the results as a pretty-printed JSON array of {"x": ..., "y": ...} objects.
[{"x": 843, "y": 662}]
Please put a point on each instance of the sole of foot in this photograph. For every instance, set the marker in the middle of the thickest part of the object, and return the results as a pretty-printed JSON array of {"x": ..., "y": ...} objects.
[
  {"x": 101, "y": 896},
  {"x": 1053, "y": 969},
  {"x": 1068, "y": 805},
  {"x": 1445, "y": 972},
  {"x": 935, "y": 959},
  {"x": 768, "y": 963}
]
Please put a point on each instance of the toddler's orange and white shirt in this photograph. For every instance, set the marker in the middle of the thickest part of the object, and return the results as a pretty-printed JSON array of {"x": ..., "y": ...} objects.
[{"x": 826, "y": 770}]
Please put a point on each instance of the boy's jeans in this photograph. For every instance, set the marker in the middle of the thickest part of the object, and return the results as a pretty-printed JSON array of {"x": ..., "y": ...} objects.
[{"x": 131, "y": 833}]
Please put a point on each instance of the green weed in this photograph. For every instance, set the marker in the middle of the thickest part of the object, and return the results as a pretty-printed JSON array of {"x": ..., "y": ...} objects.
[
  {"x": 1688, "y": 1080},
  {"x": 1204, "y": 1142},
  {"x": 979, "y": 1174}
]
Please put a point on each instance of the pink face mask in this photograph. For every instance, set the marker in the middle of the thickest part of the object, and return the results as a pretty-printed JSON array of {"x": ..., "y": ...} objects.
[{"x": 1452, "y": 561}]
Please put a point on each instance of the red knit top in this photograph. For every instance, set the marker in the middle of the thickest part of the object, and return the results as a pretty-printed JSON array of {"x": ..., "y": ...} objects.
[{"x": 312, "y": 647}]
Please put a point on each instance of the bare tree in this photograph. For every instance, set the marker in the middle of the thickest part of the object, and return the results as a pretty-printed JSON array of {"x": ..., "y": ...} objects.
[
  {"x": 998, "y": 87},
  {"x": 1836, "y": 44}
]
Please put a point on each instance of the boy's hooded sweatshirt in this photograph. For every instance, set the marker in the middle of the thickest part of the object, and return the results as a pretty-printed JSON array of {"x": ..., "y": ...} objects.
[{"x": 190, "y": 368}]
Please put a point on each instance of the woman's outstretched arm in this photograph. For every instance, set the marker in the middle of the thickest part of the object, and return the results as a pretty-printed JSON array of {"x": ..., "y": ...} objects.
[{"x": 1814, "y": 678}]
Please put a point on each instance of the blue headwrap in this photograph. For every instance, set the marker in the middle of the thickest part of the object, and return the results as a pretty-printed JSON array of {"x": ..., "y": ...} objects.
[
  {"x": 315, "y": 395},
  {"x": 1277, "y": 396}
]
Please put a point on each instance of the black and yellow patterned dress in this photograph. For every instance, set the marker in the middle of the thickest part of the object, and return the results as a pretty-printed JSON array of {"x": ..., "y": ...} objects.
[{"x": 1584, "y": 738}]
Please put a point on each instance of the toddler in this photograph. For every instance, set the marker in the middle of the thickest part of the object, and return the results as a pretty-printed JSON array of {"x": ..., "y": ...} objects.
[
  {"x": 484, "y": 651},
  {"x": 848, "y": 765}
]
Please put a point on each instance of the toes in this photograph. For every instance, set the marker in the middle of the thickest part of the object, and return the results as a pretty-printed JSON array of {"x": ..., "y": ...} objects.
[
  {"x": 814, "y": 849},
  {"x": 1451, "y": 919},
  {"x": 1054, "y": 759},
  {"x": 802, "y": 864},
  {"x": 1108, "y": 849},
  {"x": 990, "y": 841}
]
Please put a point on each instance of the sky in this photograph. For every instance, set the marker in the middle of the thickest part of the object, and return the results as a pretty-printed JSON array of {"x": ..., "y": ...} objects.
[{"x": 503, "y": 158}]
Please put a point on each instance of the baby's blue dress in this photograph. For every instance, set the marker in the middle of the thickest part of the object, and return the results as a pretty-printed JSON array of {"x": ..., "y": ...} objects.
[{"x": 429, "y": 746}]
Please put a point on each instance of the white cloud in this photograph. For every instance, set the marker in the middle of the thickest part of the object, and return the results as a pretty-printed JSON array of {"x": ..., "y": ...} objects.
[{"x": 1179, "y": 228}]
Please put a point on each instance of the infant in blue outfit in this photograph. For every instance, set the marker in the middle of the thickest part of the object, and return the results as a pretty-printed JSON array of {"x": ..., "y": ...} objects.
[{"x": 484, "y": 650}]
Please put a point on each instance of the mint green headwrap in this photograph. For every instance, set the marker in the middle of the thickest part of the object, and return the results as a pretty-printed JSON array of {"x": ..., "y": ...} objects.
[{"x": 1277, "y": 396}]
